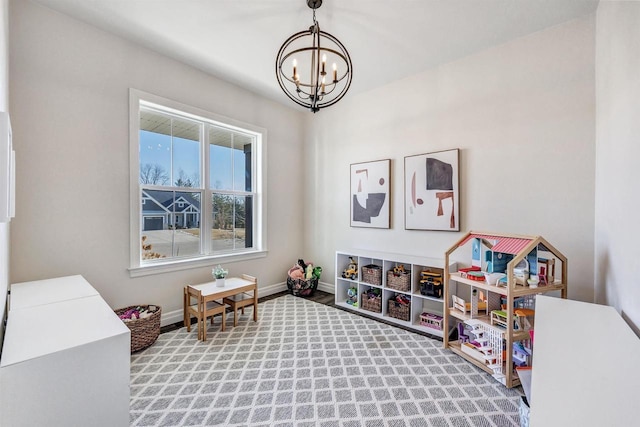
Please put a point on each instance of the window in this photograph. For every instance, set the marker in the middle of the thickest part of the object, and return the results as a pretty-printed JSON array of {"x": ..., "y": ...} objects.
[{"x": 196, "y": 185}]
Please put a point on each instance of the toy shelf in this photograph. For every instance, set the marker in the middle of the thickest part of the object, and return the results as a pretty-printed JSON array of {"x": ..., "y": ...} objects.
[
  {"x": 421, "y": 302},
  {"x": 504, "y": 312}
]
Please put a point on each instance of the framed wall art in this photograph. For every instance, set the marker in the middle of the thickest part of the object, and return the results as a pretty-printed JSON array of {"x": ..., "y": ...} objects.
[
  {"x": 370, "y": 194},
  {"x": 431, "y": 199}
]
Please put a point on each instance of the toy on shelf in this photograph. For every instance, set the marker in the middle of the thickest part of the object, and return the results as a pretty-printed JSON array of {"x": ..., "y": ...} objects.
[
  {"x": 484, "y": 344},
  {"x": 499, "y": 318},
  {"x": 463, "y": 335},
  {"x": 465, "y": 271},
  {"x": 464, "y": 306},
  {"x": 521, "y": 271},
  {"x": 521, "y": 354},
  {"x": 351, "y": 272},
  {"x": 547, "y": 269},
  {"x": 352, "y": 297},
  {"x": 431, "y": 284},
  {"x": 478, "y": 276},
  {"x": 521, "y": 322},
  {"x": 431, "y": 320},
  {"x": 403, "y": 299},
  {"x": 494, "y": 278},
  {"x": 399, "y": 269}
]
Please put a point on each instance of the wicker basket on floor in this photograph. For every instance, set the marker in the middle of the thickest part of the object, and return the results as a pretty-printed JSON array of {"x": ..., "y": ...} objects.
[
  {"x": 144, "y": 332},
  {"x": 302, "y": 287}
]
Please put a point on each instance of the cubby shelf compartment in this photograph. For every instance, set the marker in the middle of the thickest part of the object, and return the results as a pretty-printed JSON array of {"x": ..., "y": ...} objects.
[
  {"x": 519, "y": 258},
  {"x": 387, "y": 261}
]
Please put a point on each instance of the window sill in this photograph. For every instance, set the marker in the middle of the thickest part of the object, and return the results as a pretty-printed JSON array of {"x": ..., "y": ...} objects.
[{"x": 186, "y": 264}]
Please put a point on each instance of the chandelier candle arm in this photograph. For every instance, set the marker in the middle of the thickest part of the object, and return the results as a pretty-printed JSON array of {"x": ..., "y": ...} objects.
[{"x": 316, "y": 48}]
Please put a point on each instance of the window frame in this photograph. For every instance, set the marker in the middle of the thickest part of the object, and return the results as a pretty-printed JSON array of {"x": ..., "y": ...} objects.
[{"x": 137, "y": 267}]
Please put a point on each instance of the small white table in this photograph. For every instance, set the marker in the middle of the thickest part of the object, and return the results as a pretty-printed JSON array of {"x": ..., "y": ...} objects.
[{"x": 233, "y": 286}]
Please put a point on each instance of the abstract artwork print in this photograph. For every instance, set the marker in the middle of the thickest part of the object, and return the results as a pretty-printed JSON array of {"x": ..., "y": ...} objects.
[
  {"x": 370, "y": 194},
  {"x": 432, "y": 191}
]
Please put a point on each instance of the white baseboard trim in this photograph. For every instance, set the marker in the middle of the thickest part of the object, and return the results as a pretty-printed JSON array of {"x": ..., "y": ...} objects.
[{"x": 327, "y": 287}]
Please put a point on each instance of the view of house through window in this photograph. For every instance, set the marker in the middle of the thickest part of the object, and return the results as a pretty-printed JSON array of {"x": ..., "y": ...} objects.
[{"x": 196, "y": 180}]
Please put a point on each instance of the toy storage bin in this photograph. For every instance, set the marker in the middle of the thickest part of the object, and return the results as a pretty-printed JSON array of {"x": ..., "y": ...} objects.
[
  {"x": 399, "y": 311},
  {"x": 372, "y": 304},
  {"x": 144, "y": 332},
  {"x": 302, "y": 288},
  {"x": 399, "y": 281},
  {"x": 372, "y": 274}
]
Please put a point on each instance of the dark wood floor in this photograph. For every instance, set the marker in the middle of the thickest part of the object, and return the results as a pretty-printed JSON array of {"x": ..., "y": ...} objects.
[{"x": 320, "y": 297}]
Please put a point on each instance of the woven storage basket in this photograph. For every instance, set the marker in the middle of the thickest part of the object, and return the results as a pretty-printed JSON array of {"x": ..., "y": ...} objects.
[
  {"x": 372, "y": 304},
  {"x": 372, "y": 274},
  {"x": 144, "y": 332},
  {"x": 399, "y": 282},
  {"x": 399, "y": 311},
  {"x": 302, "y": 288}
]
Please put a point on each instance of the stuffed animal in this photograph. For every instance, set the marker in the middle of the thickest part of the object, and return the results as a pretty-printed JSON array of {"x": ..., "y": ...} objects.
[{"x": 296, "y": 272}]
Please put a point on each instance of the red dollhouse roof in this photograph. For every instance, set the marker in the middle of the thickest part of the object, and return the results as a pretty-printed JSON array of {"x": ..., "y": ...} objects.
[{"x": 505, "y": 245}]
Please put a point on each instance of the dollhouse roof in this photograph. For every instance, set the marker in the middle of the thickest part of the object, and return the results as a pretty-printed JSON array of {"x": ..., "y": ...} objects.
[{"x": 506, "y": 245}]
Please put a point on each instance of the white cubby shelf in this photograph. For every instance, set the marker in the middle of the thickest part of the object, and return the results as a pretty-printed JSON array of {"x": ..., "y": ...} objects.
[{"x": 387, "y": 261}]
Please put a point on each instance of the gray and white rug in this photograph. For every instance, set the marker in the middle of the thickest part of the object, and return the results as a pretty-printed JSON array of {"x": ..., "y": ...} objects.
[{"x": 308, "y": 364}]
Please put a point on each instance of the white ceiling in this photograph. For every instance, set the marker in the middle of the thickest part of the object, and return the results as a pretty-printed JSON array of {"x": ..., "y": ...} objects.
[{"x": 237, "y": 40}]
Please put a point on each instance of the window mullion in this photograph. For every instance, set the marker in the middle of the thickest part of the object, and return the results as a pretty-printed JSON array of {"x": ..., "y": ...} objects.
[{"x": 207, "y": 216}]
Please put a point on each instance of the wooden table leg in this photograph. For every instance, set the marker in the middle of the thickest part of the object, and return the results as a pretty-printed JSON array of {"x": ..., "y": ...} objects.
[
  {"x": 185, "y": 312},
  {"x": 255, "y": 304}
]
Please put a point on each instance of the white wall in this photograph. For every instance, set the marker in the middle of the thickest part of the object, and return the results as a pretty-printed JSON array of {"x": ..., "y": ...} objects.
[
  {"x": 523, "y": 116},
  {"x": 617, "y": 201},
  {"x": 69, "y": 100},
  {"x": 4, "y": 106}
]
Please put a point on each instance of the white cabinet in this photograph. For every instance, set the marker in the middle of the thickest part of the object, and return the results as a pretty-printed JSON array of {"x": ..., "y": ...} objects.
[
  {"x": 65, "y": 361},
  {"x": 39, "y": 292},
  {"x": 426, "y": 304},
  {"x": 586, "y": 366}
]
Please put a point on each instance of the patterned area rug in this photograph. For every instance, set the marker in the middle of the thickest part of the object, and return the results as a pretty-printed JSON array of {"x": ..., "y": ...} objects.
[{"x": 308, "y": 364}]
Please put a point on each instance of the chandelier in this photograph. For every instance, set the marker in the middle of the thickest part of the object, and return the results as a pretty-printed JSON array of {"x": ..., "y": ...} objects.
[{"x": 302, "y": 64}]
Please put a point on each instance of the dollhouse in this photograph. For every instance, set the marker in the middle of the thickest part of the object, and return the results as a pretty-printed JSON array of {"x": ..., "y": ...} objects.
[{"x": 494, "y": 297}]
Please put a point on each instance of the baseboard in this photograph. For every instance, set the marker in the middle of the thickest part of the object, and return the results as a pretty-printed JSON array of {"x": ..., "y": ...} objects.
[
  {"x": 175, "y": 316},
  {"x": 327, "y": 287}
]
